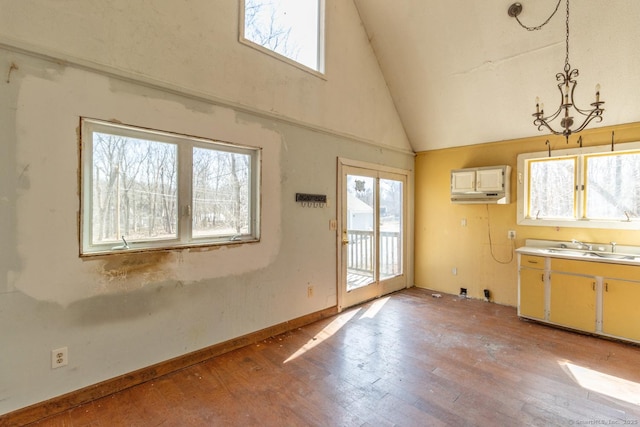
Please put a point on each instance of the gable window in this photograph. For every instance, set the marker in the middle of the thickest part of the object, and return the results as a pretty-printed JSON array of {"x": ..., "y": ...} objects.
[
  {"x": 293, "y": 30},
  {"x": 143, "y": 189},
  {"x": 589, "y": 187}
]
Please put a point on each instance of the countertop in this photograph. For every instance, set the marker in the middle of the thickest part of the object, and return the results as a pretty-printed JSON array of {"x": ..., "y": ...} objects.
[{"x": 628, "y": 255}]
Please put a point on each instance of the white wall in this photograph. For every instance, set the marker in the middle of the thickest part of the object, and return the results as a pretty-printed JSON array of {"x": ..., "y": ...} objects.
[{"x": 174, "y": 66}]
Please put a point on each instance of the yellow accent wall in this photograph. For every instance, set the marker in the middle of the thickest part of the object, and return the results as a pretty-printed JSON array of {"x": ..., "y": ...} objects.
[{"x": 466, "y": 246}]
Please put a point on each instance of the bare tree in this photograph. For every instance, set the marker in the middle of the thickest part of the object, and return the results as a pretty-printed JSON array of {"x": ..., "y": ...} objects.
[
  {"x": 263, "y": 26},
  {"x": 135, "y": 189}
]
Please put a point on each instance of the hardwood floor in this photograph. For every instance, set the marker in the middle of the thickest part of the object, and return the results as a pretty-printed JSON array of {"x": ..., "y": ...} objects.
[{"x": 407, "y": 360}]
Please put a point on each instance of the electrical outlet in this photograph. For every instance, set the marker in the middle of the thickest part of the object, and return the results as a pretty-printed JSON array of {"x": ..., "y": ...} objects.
[
  {"x": 59, "y": 357},
  {"x": 309, "y": 291},
  {"x": 511, "y": 234}
]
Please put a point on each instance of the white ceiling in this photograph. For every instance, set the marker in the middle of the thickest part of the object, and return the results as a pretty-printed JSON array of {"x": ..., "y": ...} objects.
[{"x": 463, "y": 72}]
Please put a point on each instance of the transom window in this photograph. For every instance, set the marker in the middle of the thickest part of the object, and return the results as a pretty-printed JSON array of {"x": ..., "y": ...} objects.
[
  {"x": 144, "y": 189},
  {"x": 291, "y": 29},
  {"x": 592, "y": 187}
]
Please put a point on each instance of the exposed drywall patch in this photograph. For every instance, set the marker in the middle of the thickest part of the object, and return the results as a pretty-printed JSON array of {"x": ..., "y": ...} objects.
[
  {"x": 12, "y": 67},
  {"x": 11, "y": 278},
  {"x": 23, "y": 178},
  {"x": 124, "y": 306},
  {"x": 50, "y": 269},
  {"x": 194, "y": 103},
  {"x": 209, "y": 248},
  {"x": 132, "y": 271},
  {"x": 22, "y": 66},
  {"x": 9, "y": 172}
]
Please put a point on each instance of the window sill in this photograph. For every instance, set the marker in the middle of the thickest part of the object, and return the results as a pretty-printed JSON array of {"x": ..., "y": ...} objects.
[
  {"x": 204, "y": 247},
  {"x": 282, "y": 58},
  {"x": 584, "y": 223}
]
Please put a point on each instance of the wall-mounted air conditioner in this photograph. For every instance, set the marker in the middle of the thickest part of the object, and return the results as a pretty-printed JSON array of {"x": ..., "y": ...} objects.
[{"x": 481, "y": 185}]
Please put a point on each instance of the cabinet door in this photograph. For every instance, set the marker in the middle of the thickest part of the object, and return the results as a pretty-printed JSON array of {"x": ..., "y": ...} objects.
[
  {"x": 573, "y": 301},
  {"x": 621, "y": 309},
  {"x": 463, "y": 181},
  {"x": 490, "y": 179},
  {"x": 531, "y": 302}
]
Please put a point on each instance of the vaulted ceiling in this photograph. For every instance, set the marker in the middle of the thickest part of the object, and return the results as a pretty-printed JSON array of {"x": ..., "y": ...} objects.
[{"x": 463, "y": 72}]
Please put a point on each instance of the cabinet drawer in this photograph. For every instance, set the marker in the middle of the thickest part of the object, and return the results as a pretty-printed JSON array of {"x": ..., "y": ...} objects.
[
  {"x": 577, "y": 267},
  {"x": 532, "y": 261},
  {"x": 618, "y": 271}
]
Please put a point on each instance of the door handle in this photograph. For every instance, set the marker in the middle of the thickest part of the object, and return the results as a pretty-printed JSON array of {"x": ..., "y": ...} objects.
[{"x": 345, "y": 242}]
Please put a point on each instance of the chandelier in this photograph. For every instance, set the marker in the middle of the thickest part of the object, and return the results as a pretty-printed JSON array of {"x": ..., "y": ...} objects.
[{"x": 568, "y": 111}]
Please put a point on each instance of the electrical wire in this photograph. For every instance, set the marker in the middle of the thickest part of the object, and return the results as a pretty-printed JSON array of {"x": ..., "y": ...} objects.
[{"x": 513, "y": 248}]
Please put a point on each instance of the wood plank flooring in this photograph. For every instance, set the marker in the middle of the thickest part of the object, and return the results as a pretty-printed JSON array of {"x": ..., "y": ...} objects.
[{"x": 404, "y": 360}]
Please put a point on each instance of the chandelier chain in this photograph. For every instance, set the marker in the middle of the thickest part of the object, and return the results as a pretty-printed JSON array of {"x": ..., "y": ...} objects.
[
  {"x": 545, "y": 22},
  {"x": 567, "y": 67}
]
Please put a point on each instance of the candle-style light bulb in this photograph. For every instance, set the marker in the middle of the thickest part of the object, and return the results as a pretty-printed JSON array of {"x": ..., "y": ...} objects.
[
  {"x": 598, "y": 92},
  {"x": 537, "y": 105}
]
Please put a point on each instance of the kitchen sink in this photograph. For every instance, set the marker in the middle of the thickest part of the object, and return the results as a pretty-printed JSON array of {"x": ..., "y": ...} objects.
[
  {"x": 610, "y": 255},
  {"x": 570, "y": 252},
  {"x": 588, "y": 253}
]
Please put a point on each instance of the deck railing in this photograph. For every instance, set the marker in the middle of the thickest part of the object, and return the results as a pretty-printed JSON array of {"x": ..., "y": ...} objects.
[{"x": 361, "y": 249}]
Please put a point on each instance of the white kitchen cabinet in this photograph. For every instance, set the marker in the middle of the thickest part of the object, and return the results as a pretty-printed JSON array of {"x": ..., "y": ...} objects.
[{"x": 481, "y": 185}]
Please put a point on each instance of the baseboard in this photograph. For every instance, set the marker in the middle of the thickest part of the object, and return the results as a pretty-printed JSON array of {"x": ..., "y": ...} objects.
[{"x": 67, "y": 401}]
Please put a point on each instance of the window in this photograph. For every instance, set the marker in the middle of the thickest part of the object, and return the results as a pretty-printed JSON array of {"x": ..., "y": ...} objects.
[
  {"x": 591, "y": 187},
  {"x": 292, "y": 29},
  {"x": 144, "y": 189},
  {"x": 551, "y": 188},
  {"x": 613, "y": 186}
]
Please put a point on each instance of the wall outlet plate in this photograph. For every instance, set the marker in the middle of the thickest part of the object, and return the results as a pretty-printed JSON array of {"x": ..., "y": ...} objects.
[
  {"x": 511, "y": 234},
  {"x": 59, "y": 357}
]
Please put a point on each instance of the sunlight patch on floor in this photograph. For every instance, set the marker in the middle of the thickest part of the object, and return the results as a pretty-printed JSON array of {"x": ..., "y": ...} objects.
[
  {"x": 605, "y": 384},
  {"x": 375, "y": 308},
  {"x": 325, "y": 333}
]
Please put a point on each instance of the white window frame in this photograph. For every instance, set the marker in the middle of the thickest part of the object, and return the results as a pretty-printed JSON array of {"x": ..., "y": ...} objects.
[
  {"x": 319, "y": 72},
  {"x": 184, "y": 147},
  {"x": 579, "y": 221}
]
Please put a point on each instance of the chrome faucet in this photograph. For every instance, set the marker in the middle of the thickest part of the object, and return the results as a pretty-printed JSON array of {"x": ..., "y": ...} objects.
[
  {"x": 582, "y": 245},
  {"x": 613, "y": 247}
]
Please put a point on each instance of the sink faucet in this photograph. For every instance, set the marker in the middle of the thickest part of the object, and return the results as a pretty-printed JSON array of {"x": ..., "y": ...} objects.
[
  {"x": 613, "y": 247},
  {"x": 582, "y": 245}
]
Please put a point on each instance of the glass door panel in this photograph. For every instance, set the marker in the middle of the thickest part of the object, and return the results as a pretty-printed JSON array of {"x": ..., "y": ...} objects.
[
  {"x": 391, "y": 214},
  {"x": 372, "y": 234},
  {"x": 360, "y": 230}
]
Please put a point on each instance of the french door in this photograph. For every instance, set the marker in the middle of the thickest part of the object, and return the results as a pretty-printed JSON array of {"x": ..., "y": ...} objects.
[{"x": 372, "y": 233}]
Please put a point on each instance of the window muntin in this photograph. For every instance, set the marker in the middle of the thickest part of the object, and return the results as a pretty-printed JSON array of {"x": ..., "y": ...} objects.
[
  {"x": 606, "y": 192},
  {"x": 144, "y": 189},
  {"x": 292, "y": 29},
  {"x": 551, "y": 188}
]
